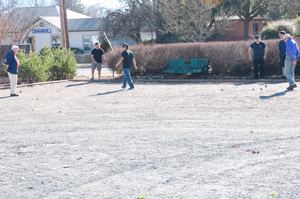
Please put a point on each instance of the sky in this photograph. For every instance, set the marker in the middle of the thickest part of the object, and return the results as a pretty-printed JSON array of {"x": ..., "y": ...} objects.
[{"x": 104, "y": 3}]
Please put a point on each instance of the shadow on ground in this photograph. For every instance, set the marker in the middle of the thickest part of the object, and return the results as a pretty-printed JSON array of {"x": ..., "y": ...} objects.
[
  {"x": 275, "y": 95},
  {"x": 82, "y": 84},
  {"x": 5, "y": 97},
  {"x": 110, "y": 92}
]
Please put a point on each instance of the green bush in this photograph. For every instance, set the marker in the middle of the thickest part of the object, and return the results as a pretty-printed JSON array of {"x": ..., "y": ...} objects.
[
  {"x": 297, "y": 21},
  {"x": 167, "y": 38},
  {"x": 53, "y": 64},
  {"x": 272, "y": 30},
  {"x": 32, "y": 68},
  {"x": 2, "y": 72},
  {"x": 105, "y": 46},
  {"x": 77, "y": 51},
  {"x": 88, "y": 59},
  {"x": 47, "y": 48},
  {"x": 63, "y": 63},
  {"x": 269, "y": 33}
]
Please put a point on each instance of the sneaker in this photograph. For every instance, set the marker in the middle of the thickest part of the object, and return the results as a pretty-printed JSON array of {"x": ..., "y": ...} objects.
[
  {"x": 290, "y": 88},
  {"x": 294, "y": 86},
  {"x": 123, "y": 87},
  {"x": 92, "y": 78},
  {"x": 14, "y": 95},
  {"x": 131, "y": 88}
]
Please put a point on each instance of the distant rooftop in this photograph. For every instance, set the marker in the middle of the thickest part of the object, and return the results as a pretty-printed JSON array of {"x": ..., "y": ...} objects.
[
  {"x": 46, "y": 11},
  {"x": 85, "y": 24}
]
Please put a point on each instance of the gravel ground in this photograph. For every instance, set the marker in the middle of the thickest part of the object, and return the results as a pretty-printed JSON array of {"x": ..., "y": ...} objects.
[{"x": 163, "y": 141}]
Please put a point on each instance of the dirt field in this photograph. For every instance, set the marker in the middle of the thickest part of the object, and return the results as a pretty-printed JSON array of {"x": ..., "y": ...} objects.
[{"x": 163, "y": 141}]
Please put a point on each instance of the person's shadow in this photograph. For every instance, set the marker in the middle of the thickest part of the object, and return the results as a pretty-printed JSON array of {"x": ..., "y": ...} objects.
[
  {"x": 275, "y": 94},
  {"x": 5, "y": 97},
  {"x": 110, "y": 92}
]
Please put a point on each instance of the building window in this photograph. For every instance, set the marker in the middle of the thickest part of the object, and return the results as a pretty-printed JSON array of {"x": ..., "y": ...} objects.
[
  {"x": 265, "y": 25},
  {"x": 42, "y": 24},
  {"x": 56, "y": 41},
  {"x": 28, "y": 40},
  {"x": 255, "y": 29},
  {"x": 88, "y": 42}
]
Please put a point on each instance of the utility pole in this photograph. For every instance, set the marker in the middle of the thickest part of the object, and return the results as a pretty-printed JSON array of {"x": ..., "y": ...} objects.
[{"x": 64, "y": 24}]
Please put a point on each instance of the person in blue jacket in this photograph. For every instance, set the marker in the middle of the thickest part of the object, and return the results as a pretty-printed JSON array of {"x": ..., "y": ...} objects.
[
  {"x": 12, "y": 67},
  {"x": 292, "y": 55}
]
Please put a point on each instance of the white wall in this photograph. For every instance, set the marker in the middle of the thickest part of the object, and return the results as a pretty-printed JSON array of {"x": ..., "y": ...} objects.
[
  {"x": 147, "y": 35},
  {"x": 76, "y": 38},
  {"x": 42, "y": 39}
]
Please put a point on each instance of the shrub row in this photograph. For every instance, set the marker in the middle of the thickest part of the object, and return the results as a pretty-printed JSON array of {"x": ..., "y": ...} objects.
[
  {"x": 53, "y": 64},
  {"x": 226, "y": 58},
  {"x": 271, "y": 31}
]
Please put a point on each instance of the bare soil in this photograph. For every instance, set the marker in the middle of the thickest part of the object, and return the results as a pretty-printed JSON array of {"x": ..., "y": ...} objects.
[{"x": 193, "y": 140}]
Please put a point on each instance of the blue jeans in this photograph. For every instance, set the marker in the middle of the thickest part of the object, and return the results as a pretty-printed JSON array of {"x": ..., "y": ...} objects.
[
  {"x": 127, "y": 78},
  {"x": 289, "y": 69}
]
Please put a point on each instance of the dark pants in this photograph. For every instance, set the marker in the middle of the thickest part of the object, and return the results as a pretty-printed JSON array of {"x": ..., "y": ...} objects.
[
  {"x": 281, "y": 64},
  {"x": 261, "y": 63}
]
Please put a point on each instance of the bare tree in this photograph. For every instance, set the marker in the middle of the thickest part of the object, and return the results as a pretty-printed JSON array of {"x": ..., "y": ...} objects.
[
  {"x": 247, "y": 10},
  {"x": 127, "y": 22},
  {"x": 194, "y": 19},
  {"x": 14, "y": 27},
  {"x": 95, "y": 11},
  {"x": 34, "y": 3}
]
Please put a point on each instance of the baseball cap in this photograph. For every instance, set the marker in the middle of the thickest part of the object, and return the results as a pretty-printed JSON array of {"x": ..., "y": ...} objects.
[
  {"x": 256, "y": 36},
  {"x": 96, "y": 43},
  {"x": 125, "y": 45},
  {"x": 287, "y": 36}
]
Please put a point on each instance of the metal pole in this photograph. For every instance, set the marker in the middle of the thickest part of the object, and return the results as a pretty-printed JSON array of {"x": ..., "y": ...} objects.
[{"x": 108, "y": 42}]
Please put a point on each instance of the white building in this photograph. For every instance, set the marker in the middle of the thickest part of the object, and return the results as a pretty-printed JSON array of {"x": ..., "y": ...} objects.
[{"x": 83, "y": 30}]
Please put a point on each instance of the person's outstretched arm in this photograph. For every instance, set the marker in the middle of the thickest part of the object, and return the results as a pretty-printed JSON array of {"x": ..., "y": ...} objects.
[
  {"x": 249, "y": 52},
  {"x": 134, "y": 64},
  {"x": 266, "y": 52},
  {"x": 120, "y": 61}
]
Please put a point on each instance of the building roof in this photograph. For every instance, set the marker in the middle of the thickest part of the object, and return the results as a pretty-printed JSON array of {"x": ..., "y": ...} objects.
[
  {"x": 86, "y": 24},
  {"x": 234, "y": 18},
  {"x": 89, "y": 24},
  {"x": 46, "y": 11}
]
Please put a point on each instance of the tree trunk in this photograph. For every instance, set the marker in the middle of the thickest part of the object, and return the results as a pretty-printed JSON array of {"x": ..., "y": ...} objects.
[
  {"x": 246, "y": 29},
  {"x": 139, "y": 36},
  {"x": 246, "y": 21},
  {"x": 159, "y": 24}
]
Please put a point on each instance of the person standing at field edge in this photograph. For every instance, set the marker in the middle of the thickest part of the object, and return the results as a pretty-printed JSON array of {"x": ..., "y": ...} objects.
[
  {"x": 282, "y": 51},
  {"x": 260, "y": 50},
  {"x": 98, "y": 59},
  {"x": 292, "y": 55},
  {"x": 12, "y": 68},
  {"x": 128, "y": 60}
]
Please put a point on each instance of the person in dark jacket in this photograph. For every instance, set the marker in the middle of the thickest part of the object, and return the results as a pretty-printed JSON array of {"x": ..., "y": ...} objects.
[
  {"x": 12, "y": 67},
  {"x": 282, "y": 51},
  {"x": 260, "y": 51},
  {"x": 128, "y": 60}
]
